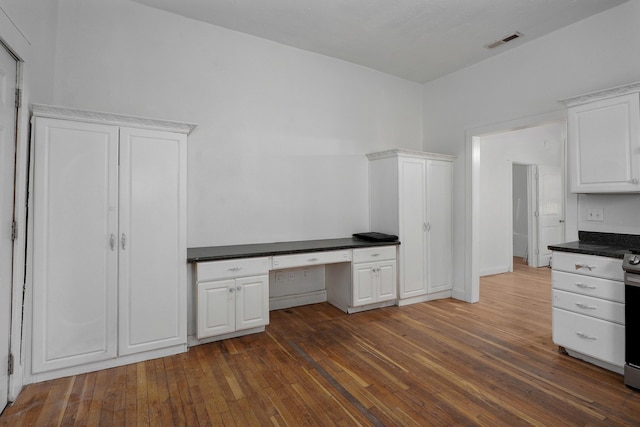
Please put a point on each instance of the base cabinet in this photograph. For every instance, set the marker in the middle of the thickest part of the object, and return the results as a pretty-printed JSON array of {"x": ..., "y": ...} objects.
[
  {"x": 588, "y": 308},
  {"x": 373, "y": 282},
  {"x": 108, "y": 214},
  {"x": 229, "y": 302}
]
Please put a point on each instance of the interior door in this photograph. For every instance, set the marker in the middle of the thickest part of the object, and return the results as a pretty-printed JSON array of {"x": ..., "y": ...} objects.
[
  {"x": 550, "y": 211},
  {"x": 8, "y": 76}
]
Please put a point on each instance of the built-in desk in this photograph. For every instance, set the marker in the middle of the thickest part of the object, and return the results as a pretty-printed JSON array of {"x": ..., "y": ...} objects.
[{"x": 236, "y": 286}]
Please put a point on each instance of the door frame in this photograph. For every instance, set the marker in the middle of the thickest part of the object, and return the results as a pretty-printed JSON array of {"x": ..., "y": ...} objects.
[
  {"x": 471, "y": 248},
  {"x": 19, "y": 46},
  {"x": 532, "y": 206}
]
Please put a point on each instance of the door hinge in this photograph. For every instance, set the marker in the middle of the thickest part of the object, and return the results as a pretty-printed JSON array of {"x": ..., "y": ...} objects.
[
  {"x": 10, "y": 367},
  {"x": 14, "y": 231},
  {"x": 18, "y": 98}
]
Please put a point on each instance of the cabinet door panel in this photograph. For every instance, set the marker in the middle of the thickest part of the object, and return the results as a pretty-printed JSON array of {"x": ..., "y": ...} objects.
[
  {"x": 604, "y": 139},
  {"x": 216, "y": 308},
  {"x": 439, "y": 226},
  {"x": 152, "y": 240},
  {"x": 74, "y": 268},
  {"x": 363, "y": 284},
  {"x": 413, "y": 228},
  {"x": 252, "y": 302},
  {"x": 387, "y": 281}
]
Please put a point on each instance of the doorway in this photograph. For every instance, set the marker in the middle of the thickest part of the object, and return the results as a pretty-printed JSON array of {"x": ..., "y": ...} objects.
[
  {"x": 477, "y": 227},
  {"x": 8, "y": 117}
]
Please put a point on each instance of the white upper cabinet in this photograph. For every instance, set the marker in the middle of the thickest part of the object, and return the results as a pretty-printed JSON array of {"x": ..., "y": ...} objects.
[{"x": 604, "y": 141}]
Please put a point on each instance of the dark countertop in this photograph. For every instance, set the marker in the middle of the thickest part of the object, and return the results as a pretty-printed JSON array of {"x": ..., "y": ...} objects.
[
  {"x": 610, "y": 245},
  {"x": 217, "y": 253}
]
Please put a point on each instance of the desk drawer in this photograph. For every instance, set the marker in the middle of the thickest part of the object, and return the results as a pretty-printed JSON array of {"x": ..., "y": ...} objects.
[
  {"x": 595, "y": 307},
  {"x": 241, "y": 267},
  {"x": 378, "y": 253},
  {"x": 591, "y": 286},
  {"x": 589, "y": 265},
  {"x": 587, "y": 335},
  {"x": 310, "y": 258}
]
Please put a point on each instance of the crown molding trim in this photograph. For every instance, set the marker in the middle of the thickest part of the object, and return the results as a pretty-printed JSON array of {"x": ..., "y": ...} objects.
[
  {"x": 65, "y": 113},
  {"x": 601, "y": 94}
]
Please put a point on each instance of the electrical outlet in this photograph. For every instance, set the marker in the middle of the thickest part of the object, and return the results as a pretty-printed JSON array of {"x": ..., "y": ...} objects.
[{"x": 595, "y": 214}]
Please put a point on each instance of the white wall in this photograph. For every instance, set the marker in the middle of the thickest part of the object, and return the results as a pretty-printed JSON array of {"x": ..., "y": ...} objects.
[
  {"x": 596, "y": 53},
  {"x": 279, "y": 152},
  {"x": 542, "y": 145}
]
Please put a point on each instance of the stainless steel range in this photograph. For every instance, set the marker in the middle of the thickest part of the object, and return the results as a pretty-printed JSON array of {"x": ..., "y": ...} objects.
[{"x": 631, "y": 266}]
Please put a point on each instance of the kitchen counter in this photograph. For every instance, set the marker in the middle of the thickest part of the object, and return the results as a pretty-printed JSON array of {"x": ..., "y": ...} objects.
[
  {"x": 610, "y": 245},
  {"x": 217, "y": 253}
]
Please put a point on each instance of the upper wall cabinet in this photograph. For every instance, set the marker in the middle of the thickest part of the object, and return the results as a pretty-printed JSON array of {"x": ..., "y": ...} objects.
[{"x": 604, "y": 141}]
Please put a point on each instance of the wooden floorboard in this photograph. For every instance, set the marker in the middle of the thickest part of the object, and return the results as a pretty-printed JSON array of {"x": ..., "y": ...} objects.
[{"x": 439, "y": 363}]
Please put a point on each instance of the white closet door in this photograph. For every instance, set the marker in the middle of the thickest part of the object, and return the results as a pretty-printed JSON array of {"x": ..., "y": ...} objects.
[
  {"x": 152, "y": 242},
  {"x": 74, "y": 266},
  {"x": 412, "y": 228},
  {"x": 439, "y": 225}
]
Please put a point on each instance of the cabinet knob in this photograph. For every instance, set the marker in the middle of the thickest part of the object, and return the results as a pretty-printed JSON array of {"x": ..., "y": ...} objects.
[
  {"x": 112, "y": 242},
  {"x": 123, "y": 241},
  {"x": 231, "y": 289},
  {"x": 634, "y": 181}
]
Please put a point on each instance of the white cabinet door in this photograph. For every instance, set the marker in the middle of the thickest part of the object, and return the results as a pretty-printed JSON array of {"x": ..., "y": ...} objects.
[
  {"x": 387, "y": 283},
  {"x": 439, "y": 225},
  {"x": 74, "y": 243},
  {"x": 252, "y": 302},
  {"x": 152, "y": 264},
  {"x": 373, "y": 282},
  {"x": 363, "y": 284},
  {"x": 413, "y": 227},
  {"x": 604, "y": 145},
  {"x": 216, "y": 308}
]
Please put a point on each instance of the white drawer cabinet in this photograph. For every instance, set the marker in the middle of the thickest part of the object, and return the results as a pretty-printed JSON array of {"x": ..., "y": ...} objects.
[
  {"x": 231, "y": 296},
  {"x": 310, "y": 258},
  {"x": 589, "y": 336},
  {"x": 612, "y": 290},
  {"x": 588, "y": 308}
]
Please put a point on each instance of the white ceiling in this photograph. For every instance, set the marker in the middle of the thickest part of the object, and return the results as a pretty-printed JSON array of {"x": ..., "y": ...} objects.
[{"x": 419, "y": 40}]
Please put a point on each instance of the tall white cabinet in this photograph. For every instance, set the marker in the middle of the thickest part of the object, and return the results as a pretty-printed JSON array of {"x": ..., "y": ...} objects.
[
  {"x": 410, "y": 196},
  {"x": 108, "y": 253}
]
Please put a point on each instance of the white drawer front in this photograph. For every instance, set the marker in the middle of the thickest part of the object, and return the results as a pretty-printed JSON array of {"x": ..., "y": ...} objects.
[
  {"x": 377, "y": 253},
  {"x": 602, "y": 309},
  {"x": 589, "y": 265},
  {"x": 594, "y": 337},
  {"x": 310, "y": 258},
  {"x": 241, "y": 267},
  {"x": 592, "y": 286}
]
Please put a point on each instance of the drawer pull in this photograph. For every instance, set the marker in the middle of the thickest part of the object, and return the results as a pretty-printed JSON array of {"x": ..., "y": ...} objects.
[
  {"x": 585, "y": 266},
  {"x": 312, "y": 259},
  {"x": 585, "y": 336},
  {"x": 583, "y": 286},
  {"x": 235, "y": 269},
  {"x": 374, "y": 255},
  {"x": 585, "y": 306}
]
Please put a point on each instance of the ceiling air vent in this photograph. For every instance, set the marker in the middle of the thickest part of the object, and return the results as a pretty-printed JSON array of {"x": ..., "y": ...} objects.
[{"x": 504, "y": 40}]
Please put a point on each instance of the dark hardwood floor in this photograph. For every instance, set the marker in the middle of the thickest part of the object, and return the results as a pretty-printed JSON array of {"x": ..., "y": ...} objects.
[{"x": 442, "y": 363}]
